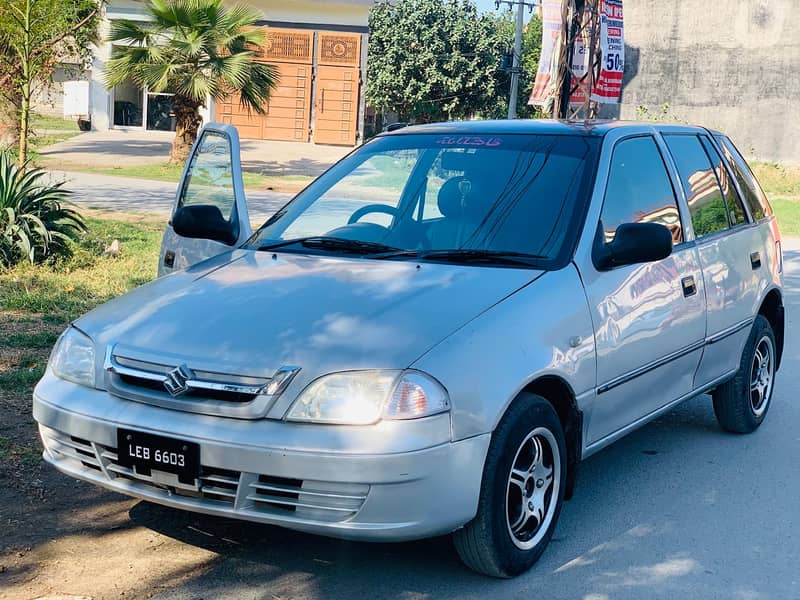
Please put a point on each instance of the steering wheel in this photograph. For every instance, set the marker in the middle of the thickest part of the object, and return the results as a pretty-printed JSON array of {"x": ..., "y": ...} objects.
[{"x": 372, "y": 208}]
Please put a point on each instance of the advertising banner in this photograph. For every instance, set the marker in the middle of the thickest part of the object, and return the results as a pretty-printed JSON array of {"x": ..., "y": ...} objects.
[{"x": 608, "y": 87}]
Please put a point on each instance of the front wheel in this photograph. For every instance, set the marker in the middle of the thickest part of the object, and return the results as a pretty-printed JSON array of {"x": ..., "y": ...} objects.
[
  {"x": 741, "y": 403},
  {"x": 521, "y": 493}
]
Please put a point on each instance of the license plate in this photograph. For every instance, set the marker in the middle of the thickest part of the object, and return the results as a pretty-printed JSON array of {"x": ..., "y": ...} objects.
[{"x": 146, "y": 452}]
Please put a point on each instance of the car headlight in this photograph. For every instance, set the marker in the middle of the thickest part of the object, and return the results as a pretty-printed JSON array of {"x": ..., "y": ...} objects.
[
  {"x": 364, "y": 397},
  {"x": 73, "y": 358}
]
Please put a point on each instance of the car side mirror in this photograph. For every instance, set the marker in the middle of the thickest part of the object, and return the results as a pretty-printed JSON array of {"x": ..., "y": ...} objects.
[
  {"x": 205, "y": 222},
  {"x": 633, "y": 243}
]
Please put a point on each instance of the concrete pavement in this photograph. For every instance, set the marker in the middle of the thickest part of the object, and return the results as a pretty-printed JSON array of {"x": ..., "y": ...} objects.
[
  {"x": 144, "y": 196},
  {"x": 108, "y": 149}
]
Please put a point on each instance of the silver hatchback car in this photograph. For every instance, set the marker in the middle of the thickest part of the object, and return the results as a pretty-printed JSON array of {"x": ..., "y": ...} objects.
[{"x": 431, "y": 336}]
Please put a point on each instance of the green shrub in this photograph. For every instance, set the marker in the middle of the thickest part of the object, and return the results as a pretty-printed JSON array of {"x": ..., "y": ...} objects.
[{"x": 34, "y": 223}]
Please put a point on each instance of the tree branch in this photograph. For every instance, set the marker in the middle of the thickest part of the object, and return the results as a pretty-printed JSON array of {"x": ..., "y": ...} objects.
[{"x": 53, "y": 41}]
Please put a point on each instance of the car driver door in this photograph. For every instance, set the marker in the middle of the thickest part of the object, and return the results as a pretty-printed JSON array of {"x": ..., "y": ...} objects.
[
  {"x": 649, "y": 318},
  {"x": 210, "y": 213}
]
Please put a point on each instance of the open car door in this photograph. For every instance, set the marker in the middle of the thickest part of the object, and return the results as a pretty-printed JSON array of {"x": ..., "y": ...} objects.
[{"x": 210, "y": 214}]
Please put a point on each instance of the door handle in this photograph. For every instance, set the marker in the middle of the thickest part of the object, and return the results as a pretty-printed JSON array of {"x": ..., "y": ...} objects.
[
  {"x": 689, "y": 286},
  {"x": 755, "y": 260}
]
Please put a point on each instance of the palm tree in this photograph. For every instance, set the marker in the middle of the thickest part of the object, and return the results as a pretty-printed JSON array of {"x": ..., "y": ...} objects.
[{"x": 195, "y": 49}]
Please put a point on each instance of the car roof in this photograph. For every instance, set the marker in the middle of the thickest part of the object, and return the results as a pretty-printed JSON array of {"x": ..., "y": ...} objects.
[{"x": 540, "y": 126}]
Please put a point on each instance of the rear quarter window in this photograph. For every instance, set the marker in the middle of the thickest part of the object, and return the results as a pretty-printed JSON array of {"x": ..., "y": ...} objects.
[{"x": 754, "y": 196}]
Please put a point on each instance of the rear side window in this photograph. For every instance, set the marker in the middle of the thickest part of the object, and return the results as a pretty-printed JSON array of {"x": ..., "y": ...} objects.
[
  {"x": 639, "y": 189},
  {"x": 735, "y": 207},
  {"x": 753, "y": 194},
  {"x": 703, "y": 192}
]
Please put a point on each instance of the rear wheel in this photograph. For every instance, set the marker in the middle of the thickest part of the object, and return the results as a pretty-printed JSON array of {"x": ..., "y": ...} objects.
[
  {"x": 521, "y": 493},
  {"x": 741, "y": 403}
]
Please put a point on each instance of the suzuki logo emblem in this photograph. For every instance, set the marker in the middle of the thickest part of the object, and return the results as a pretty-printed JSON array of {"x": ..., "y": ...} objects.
[{"x": 176, "y": 382}]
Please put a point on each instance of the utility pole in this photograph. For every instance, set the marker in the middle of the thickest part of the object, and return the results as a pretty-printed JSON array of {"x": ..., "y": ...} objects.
[
  {"x": 516, "y": 67},
  {"x": 580, "y": 23}
]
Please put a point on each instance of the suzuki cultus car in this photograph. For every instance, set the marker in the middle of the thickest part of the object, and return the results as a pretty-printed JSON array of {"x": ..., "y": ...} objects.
[{"x": 431, "y": 336}]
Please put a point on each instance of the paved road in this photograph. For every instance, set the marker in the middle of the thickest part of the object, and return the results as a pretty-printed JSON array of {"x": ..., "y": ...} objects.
[
  {"x": 678, "y": 509},
  {"x": 126, "y": 194}
]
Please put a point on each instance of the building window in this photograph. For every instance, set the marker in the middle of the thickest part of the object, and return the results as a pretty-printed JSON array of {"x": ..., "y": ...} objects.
[{"x": 128, "y": 105}]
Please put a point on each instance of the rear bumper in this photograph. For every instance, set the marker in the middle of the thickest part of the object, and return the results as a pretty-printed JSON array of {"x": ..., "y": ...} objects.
[{"x": 344, "y": 490}]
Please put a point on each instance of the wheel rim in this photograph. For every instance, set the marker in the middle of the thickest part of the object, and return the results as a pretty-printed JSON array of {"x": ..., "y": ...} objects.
[
  {"x": 532, "y": 490},
  {"x": 762, "y": 375}
]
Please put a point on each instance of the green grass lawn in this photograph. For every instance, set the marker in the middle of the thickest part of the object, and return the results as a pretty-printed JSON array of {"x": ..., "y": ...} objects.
[
  {"x": 54, "y": 123},
  {"x": 782, "y": 186},
  {"x": 59, "y": 293}
]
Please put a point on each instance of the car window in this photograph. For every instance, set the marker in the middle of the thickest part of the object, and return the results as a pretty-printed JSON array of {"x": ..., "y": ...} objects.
[
  {"x": 379, "y": 180},
  {"x": 639, "y": 189},
  {"x": 753, "y": 194},
  {"x": 734, "y": 202},
  {"x": 210, "y": 177},
  {"x": 703, "y": 193},
  {"x": 426, "y": 192}
]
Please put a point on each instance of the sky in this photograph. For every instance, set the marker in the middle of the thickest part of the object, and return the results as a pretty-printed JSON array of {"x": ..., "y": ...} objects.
[{"x": 488, "y": 5}]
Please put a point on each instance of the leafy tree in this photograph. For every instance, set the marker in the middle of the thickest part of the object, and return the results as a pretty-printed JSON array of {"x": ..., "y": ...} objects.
[
  {"x": 34, "y": 223},
  {"x": 505, "y": 23},
  {"x": 194, "y": 49},
  {"x": 34, "y": 36},
  {"x": 434, "y": 60}
]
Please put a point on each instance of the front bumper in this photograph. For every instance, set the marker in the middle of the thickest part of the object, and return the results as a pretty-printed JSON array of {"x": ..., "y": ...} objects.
[{"x": 394, "y": 481}]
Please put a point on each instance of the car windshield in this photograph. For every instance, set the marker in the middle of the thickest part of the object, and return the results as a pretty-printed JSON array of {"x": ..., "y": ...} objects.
[{"x": 437, "y": 196}]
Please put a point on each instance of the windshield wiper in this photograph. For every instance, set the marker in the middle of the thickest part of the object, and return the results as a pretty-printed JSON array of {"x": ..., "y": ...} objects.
[
  {"x": 481, "y": 256},
  {"x": 333, "y": 243}
]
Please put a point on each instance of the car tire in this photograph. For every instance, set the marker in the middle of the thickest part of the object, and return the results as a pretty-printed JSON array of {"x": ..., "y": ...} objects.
[
  {"x": 741, "y": 403},
  {"x": 517, "y": 510}
]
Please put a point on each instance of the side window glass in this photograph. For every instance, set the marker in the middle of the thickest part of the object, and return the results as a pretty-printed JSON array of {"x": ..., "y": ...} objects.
[
  {"x": 639, "y": 189},
  {"x": 706, "y": 203},
  {"x": 735, "y": 206},
  {"x": 753, "y": 194},
  {"x": 210, "y": 177}
]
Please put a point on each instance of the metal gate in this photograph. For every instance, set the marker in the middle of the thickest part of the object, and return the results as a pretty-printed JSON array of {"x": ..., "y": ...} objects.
[
  {"x": 337, "y": 89},
  {"x": 288, "y": 113}
]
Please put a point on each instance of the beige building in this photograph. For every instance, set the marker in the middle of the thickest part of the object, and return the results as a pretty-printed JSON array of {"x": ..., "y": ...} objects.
[{"x": 319, "y": 48}]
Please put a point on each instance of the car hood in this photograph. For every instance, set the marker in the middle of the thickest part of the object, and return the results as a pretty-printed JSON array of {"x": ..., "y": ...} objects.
[{"x": 251, "y": 312}]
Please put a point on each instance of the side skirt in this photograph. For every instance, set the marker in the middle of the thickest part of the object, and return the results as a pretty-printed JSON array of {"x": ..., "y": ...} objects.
[{"x": 613, "y": 437}]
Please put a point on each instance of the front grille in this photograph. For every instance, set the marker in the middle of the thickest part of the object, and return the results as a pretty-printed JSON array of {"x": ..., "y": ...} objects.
[
  {"x": 74, "y": 448},
  {"x": 245, "y": 492},
  {"x": 317, "y": 500},
  {"x": 202, "y": 394}
]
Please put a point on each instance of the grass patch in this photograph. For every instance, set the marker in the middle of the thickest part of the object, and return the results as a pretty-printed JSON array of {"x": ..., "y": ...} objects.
[
  {"x": 22, "y": 378},
  {"x": 778, "y": 180},
  {"x": 787, "y": 212},
  {"x": 782, "y": 185},
  {"x": 62, "y": 291},
  {"x": 53, "y": 123},
  {"x": 172, "y": 173},
  {"x": 36, "y": 339},
  {"x": 30, "y": 456}
]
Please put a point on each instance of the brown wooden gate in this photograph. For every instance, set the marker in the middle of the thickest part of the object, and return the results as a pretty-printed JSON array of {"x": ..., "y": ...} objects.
[
  {"x": 288, "y": 113},
  {"x": 337, "y": 89}
]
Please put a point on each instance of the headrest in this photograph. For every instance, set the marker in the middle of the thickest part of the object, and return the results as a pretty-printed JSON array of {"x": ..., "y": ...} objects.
[{"x": 450, "y": 196}]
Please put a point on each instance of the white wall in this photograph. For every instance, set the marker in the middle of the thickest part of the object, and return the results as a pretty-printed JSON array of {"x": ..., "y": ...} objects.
[{"x": 350, "y": 13}]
